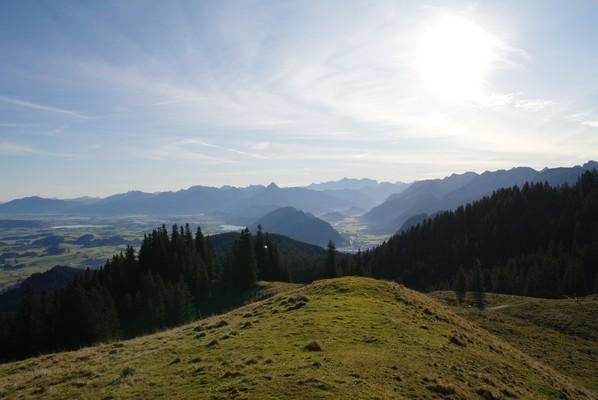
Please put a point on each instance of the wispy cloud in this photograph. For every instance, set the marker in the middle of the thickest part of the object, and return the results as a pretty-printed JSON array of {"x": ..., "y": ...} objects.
[
  {"x": 166, "y": 102},
  {"x": 216, "y": 146},
  {"x": 585, "y": 118},
  {"x": 18, "y": 125},
  {"x": 260, "y": 146},
  {"x": 517, "y": 100},
  {"x": 41, "y": 107},
  {"x": 16, "y": 149},
  {"x": 179, "y": 150},
  {"x": 533, "y": 104}
]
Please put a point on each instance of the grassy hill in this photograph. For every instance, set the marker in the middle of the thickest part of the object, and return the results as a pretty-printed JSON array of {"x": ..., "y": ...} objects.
[
  {"x": 345, "y": 338},
  {"x": 560, "y": 333}
]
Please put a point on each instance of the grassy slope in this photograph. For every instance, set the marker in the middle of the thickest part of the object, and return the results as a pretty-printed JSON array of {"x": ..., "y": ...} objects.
[
  {"x": 560, "y": 333},
  {"x": 379, "y": 340}
]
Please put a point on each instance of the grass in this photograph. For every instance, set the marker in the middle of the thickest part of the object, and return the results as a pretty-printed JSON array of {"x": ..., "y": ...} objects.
[
  {"x": 560, "y": 333},
  {"x": 352, "y": 338}
]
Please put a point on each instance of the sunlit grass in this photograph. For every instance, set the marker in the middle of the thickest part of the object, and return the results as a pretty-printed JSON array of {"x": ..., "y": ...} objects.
[
  {"x": 376, "y": 339},
  {"x": 560, "y": 333}
]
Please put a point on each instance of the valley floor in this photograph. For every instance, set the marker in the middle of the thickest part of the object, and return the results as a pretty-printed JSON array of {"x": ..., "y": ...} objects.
[{"x": 346, "y": 338}]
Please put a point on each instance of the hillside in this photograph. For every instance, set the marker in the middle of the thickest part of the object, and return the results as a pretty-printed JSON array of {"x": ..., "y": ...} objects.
[
  {"x": 303, "y": 260},
  {"x": 298, "y": 225},
  {"x": 537, "y": 240},
  {"x": 352, "y": 338},
  {"x": 561, "y": 333},
  {"x": 433, "y": 195},
  {"x": 56, "y": 277}
]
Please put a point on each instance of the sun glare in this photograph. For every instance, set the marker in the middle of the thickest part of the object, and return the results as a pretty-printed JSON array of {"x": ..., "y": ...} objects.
[{"x": 454, "y": 58}]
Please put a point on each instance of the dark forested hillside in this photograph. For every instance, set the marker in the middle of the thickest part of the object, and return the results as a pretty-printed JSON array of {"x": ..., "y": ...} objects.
[
  {"x": 56, "y": 277},
  {"x": 175, "y": 277},
  {"x": 304, "y": 261},
  {"x": 537, "y": 240}
]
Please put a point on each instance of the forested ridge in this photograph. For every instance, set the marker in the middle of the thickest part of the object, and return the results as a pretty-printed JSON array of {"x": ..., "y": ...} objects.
[
  {"x": 536, "y": 240},
  {"x": 175, "y": 278}
]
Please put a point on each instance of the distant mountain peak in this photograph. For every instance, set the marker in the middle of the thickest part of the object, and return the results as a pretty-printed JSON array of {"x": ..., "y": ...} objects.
[{"x": 272, "y": 186}]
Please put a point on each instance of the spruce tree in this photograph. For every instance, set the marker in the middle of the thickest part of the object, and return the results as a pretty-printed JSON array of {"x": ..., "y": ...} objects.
[
  {"x": 277, "y": 268},
  {"x": 261, "y": 256},
  {"x": 477, "y": 285},
  {"x": 184, "y": 309},
  {"x": 244, "y": 266},
  {"x": 203, "y": 245},
  {"x": 574, "y": 280},
  {"x": 27, "y": 317},
  {"x": 331, "y": 264},
  {"x": 356, "y": 264},
  {"x": 189, "y": 242},
  {"x": 460, "y": 285}
]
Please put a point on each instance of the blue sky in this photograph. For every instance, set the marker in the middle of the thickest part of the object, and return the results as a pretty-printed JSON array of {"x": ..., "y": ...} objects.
[{"x": 99, "y": 97}]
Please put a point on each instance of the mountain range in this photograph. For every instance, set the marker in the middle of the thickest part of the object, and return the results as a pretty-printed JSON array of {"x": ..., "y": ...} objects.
[
  {"x": 370, "y": 189},
  {"x": 238, "y": 205},
  {"x": 390, "y": 205},
  {"x": 433, "y": 195}
]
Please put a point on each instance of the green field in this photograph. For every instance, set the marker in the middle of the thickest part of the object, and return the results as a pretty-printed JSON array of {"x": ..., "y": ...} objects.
[
  {"x": 357, "y": 231},
  {"x": 347, "y": 338},
  {"x": 560, "y": 333}
]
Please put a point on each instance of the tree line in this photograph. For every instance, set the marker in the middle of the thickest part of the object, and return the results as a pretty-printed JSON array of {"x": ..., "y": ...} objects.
[
  {"x": 536, "y": 240},
  {"x": 174, "y": 278}
]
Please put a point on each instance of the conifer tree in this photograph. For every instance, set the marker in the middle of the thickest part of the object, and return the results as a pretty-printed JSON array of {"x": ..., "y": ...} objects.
[
  {"x": 331, "y": 264},
  {"x": 183, "y": 303},
  {"x": 356, "y": 264},
  {"x": 574, "y": 279},
  {"x": 174, "y": 237},
  {"x": 477, "y": 285},
  {"x": 261, "y": 256},
  {"x": 460, "y": 285},
  {"x": 244, "y": 266},
  {"x": 204, "y": 246},
  {"x": 277, "y": 268},
  {"x": 189, "y": 242},
  {"x": 27, "y": 319}
]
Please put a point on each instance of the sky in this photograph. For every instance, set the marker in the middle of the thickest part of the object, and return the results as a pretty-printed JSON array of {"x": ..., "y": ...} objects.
[{"x": 101, "y": 97}]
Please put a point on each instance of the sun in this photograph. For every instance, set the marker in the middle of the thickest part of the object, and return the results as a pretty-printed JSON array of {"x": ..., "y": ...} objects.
[{"x": 454, "y": 58}]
